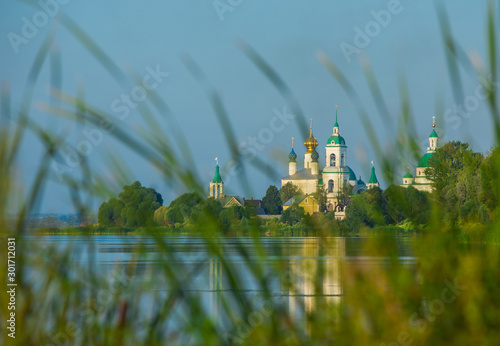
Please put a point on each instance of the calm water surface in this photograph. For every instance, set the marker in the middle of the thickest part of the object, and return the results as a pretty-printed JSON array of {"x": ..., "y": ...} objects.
[{"x": 140, "y": 262}]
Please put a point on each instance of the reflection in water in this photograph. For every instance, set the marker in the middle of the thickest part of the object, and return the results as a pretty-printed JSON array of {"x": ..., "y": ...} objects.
[
  {"x": 304, "y": 272},
  {"x": 312, "y": 256}
]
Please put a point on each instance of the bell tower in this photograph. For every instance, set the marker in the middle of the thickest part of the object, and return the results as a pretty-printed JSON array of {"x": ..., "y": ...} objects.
[
  {"x": 433, "y": 138},
  {"x": 217, "y": 185}
]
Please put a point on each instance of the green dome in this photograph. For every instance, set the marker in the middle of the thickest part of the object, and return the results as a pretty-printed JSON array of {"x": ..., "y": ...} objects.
[
  {"x": 292, "y": 156},
  {"x": 315, "y": 156},
  {"x": 336, "y": 140},
  {"x": 361, "y": 182},
  {"x": 433, "y": 134},
  {"x": 408, "y": 175},
  {"x": 217, "y": 177},
  {"x": 424, "y": 161},
  {"x": 352, "y": 176}
]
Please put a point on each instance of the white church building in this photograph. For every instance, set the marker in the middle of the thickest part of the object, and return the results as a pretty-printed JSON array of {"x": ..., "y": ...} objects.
[{"x": 335, "y": 175}]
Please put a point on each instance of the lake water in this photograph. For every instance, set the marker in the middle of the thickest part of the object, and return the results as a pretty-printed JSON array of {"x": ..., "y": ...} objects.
[{"x": 154, "y": 267}]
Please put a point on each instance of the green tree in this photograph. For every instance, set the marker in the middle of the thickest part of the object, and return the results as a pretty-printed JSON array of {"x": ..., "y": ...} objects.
[
  {"x": 231, "y": 215},
  {"x": 367, "y": 209},
  {"x": 206, "y": 211},
  {"x": 110, "y": 213},
  {"x": 272, "y": 201},
  {"x": 160, "y": 216},
  {"x": 140, "y": 204},
  {"x": 135, "y": 206},
  {"x": 345, "y": 193},
  {"x": 448, "y": 162},
  {"x": 180, "y": 208},
  {"x": 292, "y": 214},
  {"x": 456, "y": 177},
  {"x": 406, "y": 204},
  {"x": 320, "y": 196},
  {"x": 490, "y": 174},
  {"x": 289, "y": 190}
]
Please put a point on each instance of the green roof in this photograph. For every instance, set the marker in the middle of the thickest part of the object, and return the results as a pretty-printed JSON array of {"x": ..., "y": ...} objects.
[
  {"x": 408, "y": 175},
  {"x": 338, "y": 140},
  {"x": 424, "y": 160},
  {"x": 217, "y": 178},
  {"x": 373, "y": 177},
  {"x": 361, "y": 182},
  {"x": 433, "y": 134},
  {"x": 352, "y": 176}
]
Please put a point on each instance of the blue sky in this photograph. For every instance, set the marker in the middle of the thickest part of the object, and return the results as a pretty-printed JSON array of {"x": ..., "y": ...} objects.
[{"x": 288, "y": 34}]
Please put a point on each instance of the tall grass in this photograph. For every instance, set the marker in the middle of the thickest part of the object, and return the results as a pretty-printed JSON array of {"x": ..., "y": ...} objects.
[{"x": 450, "y": 298}]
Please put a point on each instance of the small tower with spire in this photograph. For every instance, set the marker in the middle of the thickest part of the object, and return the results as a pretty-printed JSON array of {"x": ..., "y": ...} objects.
[
  {"x": 373, "y": 182},
  {"x": 336, "y": 174},
  {"x": 336, "y": 149},
  {"x": 407, "y": 178},
  {"x": 311, "y": 143},
  {"x": 217, "y": 185},
  {"x": 433, "y": 138},
  {"x": 292, "y": 161},
  {"x": 336, "y": 125}
]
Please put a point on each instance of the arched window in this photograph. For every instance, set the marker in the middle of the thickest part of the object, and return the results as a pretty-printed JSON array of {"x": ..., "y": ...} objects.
[
  {"x": 342, "y": 163},
  {"x": 213, "y": 191},
  {"x": 332, "y": 160},
  {"x": 330, "y": 185}
]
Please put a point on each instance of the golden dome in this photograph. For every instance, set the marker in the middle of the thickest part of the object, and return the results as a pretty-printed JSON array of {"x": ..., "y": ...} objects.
[{"x": 311, "y": 143}]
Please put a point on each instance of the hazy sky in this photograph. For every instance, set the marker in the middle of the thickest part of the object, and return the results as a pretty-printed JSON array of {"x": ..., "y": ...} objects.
[{"x": 154, "y": 35}]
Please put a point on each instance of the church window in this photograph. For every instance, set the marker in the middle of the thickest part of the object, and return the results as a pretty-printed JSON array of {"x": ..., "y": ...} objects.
[
  {"x": 342, "y": 163},
  {"x": 330, "y": 185},
  {"x": 332, "y": 160}
]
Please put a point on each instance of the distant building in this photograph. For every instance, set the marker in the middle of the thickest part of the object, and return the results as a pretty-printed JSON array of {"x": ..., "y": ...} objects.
[
  {"x": 373, "y": 182},
  {"x": 421, "y": 181},
  {"x": 255, "y": 205},
  {"x": 308, "y": 202},
  {"x": 217, "y": 192},
  {"x": 333, "y": 178}
]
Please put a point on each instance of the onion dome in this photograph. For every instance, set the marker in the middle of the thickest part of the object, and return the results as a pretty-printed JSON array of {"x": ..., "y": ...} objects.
[
  {"x": 292, "y": 157},
  {"x": 314, "y": 156},
  {"x": 311, "y": 143}
]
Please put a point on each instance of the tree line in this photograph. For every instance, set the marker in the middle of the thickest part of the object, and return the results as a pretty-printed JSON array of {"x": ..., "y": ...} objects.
[{"x": 465, "y": 190}]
